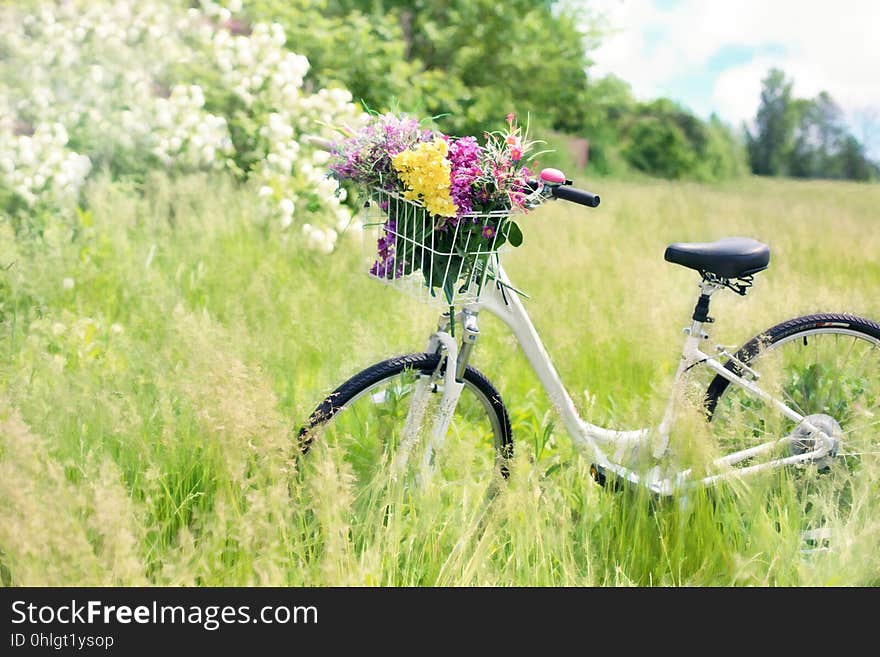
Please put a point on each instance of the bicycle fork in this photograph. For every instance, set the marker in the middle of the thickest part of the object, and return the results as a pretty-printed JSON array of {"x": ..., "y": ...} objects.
[{"x": 456, "y": 362}]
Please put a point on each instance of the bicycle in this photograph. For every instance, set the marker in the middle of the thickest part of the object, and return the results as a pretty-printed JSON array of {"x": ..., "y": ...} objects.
[{"x": 802, "y": 392}]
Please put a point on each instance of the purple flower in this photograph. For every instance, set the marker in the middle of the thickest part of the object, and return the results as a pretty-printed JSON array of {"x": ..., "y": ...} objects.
[
  {"x": 464, "y": 156},
  {"x": 365, "y": 156},
  {"x": 488, "y": 232},
  {"x": 384, "y": 266}
]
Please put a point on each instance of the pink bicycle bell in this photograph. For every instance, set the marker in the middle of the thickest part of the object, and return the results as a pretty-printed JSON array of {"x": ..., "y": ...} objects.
[{"x": 553, "y": 176}]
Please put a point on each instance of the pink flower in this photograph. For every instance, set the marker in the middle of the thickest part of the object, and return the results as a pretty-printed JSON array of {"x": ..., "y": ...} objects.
[
  {"x": 516, "y": 153},
  {"x": 511, "y": 117}
]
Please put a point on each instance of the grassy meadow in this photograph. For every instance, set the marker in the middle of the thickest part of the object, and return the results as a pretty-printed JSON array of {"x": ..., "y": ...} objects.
[{"x": 157, "y": 358}]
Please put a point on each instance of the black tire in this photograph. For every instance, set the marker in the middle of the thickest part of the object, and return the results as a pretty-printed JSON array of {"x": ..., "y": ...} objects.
[
  {"x": 425, "y": 364},
  {"x": 785, "y": 331}
]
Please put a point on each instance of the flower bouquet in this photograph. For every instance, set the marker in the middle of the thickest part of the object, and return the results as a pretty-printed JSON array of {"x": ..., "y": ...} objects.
[{"x": 448, "y": 200}]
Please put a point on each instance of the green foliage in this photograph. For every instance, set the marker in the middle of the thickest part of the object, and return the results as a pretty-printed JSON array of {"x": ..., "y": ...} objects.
[
  {"x": 659, "y": 148},
  {"x": 853, "y": 162},
  {"x": 724, "y": 156},
  {"x": 349, "y": 45},
  {"x": 608, "y": 102},
  {"x": 471, "y": 61},
  {"x": 666, "y": 140}
]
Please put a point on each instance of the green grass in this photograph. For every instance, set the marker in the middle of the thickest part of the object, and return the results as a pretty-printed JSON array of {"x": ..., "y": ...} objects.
[{"x": 147, "y": 415}]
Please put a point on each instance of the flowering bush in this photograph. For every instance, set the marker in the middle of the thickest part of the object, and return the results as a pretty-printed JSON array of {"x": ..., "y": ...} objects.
[
  {"x": 128, "y": 86},
  {"x": 39, "y": 164},
  {"x": 466, "y": 193}
]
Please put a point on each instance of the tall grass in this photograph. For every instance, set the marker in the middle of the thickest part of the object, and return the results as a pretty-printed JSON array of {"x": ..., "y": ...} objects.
[{"x": 148, "y": 413}]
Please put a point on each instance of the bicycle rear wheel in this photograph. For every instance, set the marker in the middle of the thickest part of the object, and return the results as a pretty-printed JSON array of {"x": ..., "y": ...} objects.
[
  {"x": 819, "y": 365},
  {"x": 367, "y": 417}
]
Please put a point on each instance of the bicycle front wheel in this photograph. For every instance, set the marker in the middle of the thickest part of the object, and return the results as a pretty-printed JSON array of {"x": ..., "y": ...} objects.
[{"x": 371, "y": 418}]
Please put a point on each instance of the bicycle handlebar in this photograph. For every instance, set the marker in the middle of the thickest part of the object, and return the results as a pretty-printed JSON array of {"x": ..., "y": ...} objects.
[
  {"x": 554, "y": 183},
  {"x": 576, "y": 196}
]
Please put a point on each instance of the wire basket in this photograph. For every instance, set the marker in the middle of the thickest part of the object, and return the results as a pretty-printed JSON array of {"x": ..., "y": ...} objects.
[{"x": 431, "y": 258}]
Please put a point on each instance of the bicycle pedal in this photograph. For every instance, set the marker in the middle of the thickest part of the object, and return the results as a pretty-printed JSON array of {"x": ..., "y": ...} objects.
[
  {"x": 816, "y": 540},
  {"x": 614, "y": 483}
]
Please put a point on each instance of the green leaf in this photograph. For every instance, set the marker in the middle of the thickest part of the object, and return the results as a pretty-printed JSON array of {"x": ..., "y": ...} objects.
[
  {"x": 449, "y": 288},
  {"x": 514, "y": 234}
]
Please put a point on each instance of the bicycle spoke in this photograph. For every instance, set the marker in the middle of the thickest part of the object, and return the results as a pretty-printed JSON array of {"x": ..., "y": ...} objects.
[
  {"x": 792, "y": 402},
  {"x": 864, "y": 426}
]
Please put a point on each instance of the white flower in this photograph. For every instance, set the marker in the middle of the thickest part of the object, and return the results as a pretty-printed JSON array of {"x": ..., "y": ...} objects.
[
  {"x": 278, "y": 36},
  {"x": 114, "y": 52},
  {"x": 67, "y": 283},
  {"x": 327, "y": 187}
]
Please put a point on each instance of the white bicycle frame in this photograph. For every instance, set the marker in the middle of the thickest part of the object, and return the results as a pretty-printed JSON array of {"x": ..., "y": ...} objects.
[{"x": 607, "y": 448}]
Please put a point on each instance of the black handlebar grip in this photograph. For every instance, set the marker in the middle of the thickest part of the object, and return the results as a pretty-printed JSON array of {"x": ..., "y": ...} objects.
[{"x": 576, "y": 196}]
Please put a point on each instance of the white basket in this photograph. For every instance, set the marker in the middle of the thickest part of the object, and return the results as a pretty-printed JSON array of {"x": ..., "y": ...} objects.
[{"x": 406, "y": 247}]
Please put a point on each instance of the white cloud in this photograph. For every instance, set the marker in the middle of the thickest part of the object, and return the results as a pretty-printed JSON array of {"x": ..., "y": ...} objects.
[
  {"x": 824, "y": 46},
  {"x": 737, "y": 90}
]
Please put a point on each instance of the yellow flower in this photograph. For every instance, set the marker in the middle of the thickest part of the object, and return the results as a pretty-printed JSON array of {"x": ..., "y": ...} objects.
[{"x": 426, "y": 173}]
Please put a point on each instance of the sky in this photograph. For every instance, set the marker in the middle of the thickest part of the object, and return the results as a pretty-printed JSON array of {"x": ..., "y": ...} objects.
[{"x": 711, "y": 55}]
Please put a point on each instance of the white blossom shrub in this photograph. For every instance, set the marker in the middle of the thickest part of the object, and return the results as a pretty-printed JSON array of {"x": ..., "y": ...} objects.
[
  {"x": 40, "y": 165},
  {"x": 133, "y": 85}
]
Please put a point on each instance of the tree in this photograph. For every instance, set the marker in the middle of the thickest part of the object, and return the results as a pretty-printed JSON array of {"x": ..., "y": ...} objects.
[
  {"x": 665, "y": 139},
  {"x": 659, "y": 147},
  {"x": 804, "y": 159},
  {"x": 471, "y": 62},
  {"x": 770, "y": 144},
  {"x": 853, "y": 163},
  {"x": 805, "y": 138},
  {"x": 606, "y": 103},
  {"x": 724, "y": 156},
  {"x": 822, "y": 146}
]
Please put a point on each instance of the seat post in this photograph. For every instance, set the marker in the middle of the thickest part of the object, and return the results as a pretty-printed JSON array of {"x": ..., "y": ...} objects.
[
  {"x": 708, "y": 287},
  {"x": 701, "y": 310}
]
